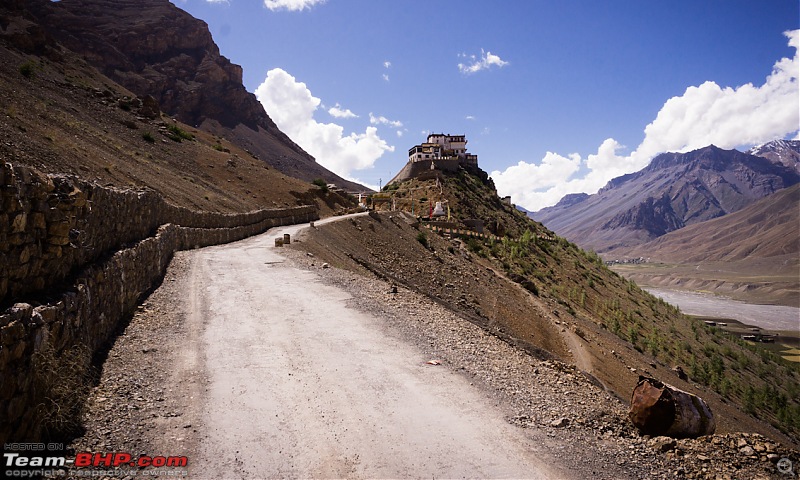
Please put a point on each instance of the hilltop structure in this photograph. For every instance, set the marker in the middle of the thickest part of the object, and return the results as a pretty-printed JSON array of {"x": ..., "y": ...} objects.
[{"x": 441, "y": 152}]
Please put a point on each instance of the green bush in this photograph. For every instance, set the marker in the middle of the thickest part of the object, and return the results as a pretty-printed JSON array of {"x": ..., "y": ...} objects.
[
  {"x": 177, "y": 134},
  {"x": 28, "y": 69},
  {"x": 148, "y": 137},
  {"x": 322, "y": 184}
]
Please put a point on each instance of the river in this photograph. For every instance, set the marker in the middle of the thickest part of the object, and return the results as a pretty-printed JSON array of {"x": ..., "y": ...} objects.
[{"x": 768, "y": 317}]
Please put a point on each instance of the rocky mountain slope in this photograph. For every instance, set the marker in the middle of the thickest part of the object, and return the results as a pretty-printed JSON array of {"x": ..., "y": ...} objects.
[
  {"x": 542, "y": 294},
  {"x": 675, "y": 190},
  {"x": 152, "y": 47},
  {"x": 764, "y": 229},
  {"x": 785, "y": 152},
  {"x": 60, "y": 115},
  {"x": 752, "y": 254}
]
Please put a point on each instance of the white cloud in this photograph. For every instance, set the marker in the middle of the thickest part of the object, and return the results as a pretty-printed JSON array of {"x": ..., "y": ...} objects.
[
  {"x": 469, "y": 117},
  {"x": 291, "y": 5},
  {"x": 387, "y": 64},
  {"x": 384, "y": 121},
  {"x": 291, "y": 105},
  {"x": 707, "y": 114},
  {"x": 486, "y": 60},
  {"x": 385, "y": 77},
  {"x": 338, "y": 112}
]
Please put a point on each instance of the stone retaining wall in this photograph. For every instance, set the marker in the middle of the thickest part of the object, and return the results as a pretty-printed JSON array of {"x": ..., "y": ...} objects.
[{"x": 113, "y": 246}]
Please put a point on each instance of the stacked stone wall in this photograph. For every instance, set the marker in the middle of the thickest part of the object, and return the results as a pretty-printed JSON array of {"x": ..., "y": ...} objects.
[{"x": 98, "y": 251}]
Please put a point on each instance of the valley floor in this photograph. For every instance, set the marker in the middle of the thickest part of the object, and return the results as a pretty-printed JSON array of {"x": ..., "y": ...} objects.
[
  {"x": 767, "y": 282},
  {"x": 255, "y": 364}
]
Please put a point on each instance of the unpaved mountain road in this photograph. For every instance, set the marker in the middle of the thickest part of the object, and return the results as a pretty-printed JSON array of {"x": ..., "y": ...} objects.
[
  {"x": 255, "y": 362},
  {"x": 299, "y": 385}
]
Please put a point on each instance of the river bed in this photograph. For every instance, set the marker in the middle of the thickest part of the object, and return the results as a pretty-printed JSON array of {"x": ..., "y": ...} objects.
[{"x": 768, "y": 317}]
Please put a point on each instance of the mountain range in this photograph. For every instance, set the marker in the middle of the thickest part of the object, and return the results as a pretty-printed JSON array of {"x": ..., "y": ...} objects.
[{"x": 674, "y": 191}]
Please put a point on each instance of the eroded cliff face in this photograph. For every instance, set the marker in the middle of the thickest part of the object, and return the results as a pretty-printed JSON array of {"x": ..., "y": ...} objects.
[{"x": 152, "y": 47}]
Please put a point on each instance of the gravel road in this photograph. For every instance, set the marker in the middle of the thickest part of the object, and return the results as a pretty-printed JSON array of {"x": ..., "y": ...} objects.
[
  {"x": 301, "y": 385},
  {"x": 256, "y": 362}
]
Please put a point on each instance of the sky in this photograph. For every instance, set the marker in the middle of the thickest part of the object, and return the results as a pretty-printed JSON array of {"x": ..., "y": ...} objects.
[{"x": 555, "y": 97}]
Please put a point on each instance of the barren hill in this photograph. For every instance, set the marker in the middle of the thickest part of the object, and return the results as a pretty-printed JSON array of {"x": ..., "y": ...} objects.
[
  {"x": 152, "y": 47},
  {"x": 675, "y": 190},
  {"x": 751, "y": 254},
  {"x": 60, "y": 115},
  {"x": 539, "y": 292},
  {"x": 765, "y": 229}
]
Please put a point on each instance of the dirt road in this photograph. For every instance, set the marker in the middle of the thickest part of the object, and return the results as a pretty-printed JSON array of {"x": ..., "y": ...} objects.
[{"x": 300, "y": 385}]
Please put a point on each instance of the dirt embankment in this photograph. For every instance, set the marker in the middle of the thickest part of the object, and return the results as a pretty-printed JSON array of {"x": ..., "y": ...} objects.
[{"x": 392, "y": 248}]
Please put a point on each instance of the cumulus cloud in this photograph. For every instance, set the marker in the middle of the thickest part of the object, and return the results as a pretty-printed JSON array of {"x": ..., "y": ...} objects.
[
  {"x": 291, "y": 5},
  {"x": 484, "y": 62},
  {"x": 704, "y": 115},
  {"x": 339, "y": 112},
  {"x": 291, "y": 105}
]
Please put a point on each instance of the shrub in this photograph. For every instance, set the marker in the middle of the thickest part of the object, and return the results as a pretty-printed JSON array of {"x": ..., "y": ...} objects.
[
  {"x": 27, "y": 69},
  {"x": 322, "y": 184},
  {"x": 64, "y": 382},
  {"x": 148, "y": 137},
  {"x": 474, "y": 245},
  {"x": 177, "y": 134},
  {"x": 423, "y": 239}
]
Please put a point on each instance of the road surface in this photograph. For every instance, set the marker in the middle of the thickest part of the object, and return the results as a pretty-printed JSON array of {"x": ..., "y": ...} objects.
[{"x": 301, "y": 386}]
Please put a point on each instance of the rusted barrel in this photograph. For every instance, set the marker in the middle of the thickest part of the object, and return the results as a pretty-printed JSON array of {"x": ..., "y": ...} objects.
[{"x": 660, "y": 409}]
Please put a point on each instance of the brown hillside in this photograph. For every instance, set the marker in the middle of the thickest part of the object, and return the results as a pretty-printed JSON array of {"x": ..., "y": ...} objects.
[
  {"x": 752, "y": 254},
  {"x": 152, "y": 47},
  {"x": 59, "y": 115},
  {"x": 768, "y": 228},
  {"x": 548, "y": 297}
]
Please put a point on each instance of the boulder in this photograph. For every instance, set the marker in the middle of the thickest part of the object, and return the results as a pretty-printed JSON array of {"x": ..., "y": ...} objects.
[{"x": 659, "y": 409}]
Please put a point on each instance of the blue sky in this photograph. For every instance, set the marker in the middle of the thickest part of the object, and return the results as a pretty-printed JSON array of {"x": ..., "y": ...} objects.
[{"x": 555, "y": 97}]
